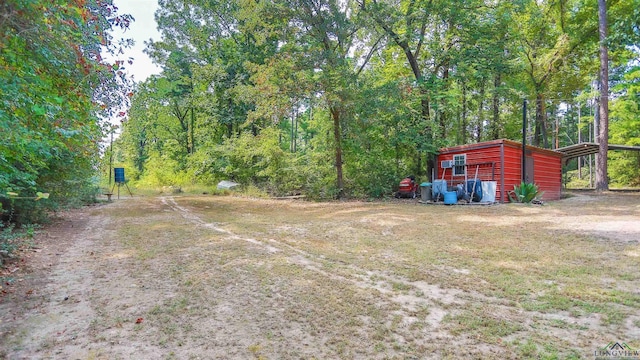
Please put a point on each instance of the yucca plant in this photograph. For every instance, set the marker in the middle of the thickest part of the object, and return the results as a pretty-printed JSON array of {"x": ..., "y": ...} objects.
[{"x": 525, "y": 193}]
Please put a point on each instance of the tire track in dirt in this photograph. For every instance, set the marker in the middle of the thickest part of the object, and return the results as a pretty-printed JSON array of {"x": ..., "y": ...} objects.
[
  {"x": 187, "y": 214},
  {"x": 62, "y": 318},
  {"x": 439, "y": 301},
  {"x": 85, "y": 290},
  {"x": 106, "y": 290},
  {"x": 431, "y": 295}
]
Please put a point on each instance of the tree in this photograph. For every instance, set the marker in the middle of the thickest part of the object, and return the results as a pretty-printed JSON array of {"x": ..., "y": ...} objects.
[
  {"x": 349, "y": 95},
  {"x": 406, "y": 26},
  {"x": 54, "y": 87},
  {"x": 320, "y": 36},
  {"x": 602, "y": 180},
  {"x": 546, "y": 45},
  {"x": 625, "y": 127},
  {"x": 209, "y": 37}
]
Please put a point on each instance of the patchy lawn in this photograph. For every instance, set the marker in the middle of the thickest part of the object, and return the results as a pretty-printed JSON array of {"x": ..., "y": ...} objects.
[{"x": 201, "y": 277}]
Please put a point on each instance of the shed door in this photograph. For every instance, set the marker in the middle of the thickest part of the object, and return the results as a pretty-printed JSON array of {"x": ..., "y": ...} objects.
[{"x": 528, "y": 175}]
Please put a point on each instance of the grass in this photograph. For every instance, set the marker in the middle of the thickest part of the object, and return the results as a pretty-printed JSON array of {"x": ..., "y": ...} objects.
[
  {"x": 482, "y": 324},
  {"x": 380, "y": 280}
]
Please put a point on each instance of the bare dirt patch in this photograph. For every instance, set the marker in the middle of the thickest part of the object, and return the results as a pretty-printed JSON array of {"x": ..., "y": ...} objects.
[{"x": 222, "y": 277}]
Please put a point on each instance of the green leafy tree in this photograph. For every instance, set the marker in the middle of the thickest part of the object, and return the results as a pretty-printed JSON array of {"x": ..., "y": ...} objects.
[
  {"x": 345, "y": 97},
  {"x": 625, "y": 129},
  {"x": 320, "y": 37},
  {"x": 54, "y": 86}
]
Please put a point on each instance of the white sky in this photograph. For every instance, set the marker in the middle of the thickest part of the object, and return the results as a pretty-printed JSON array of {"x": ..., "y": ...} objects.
[{"x": 141, "y": 30}]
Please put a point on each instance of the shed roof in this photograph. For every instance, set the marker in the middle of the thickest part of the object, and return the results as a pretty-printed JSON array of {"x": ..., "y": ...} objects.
[
  {"x": 486, "y": 144},
  {"x": 583, "y": 149}
]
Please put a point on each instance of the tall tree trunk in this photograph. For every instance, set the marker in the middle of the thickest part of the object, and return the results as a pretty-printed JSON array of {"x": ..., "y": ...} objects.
[
  {"x": 337, "y": 137},
  {"x": 480, "y": 124},
  {"x": 557, "y": 132},
  {"x": 292, "y": 143},
  {"x": 397, "y": 150},
  {"x": 540, "y": 132},
  {"x": 495, "y": 123},
  {"x": 427, "y": 133},
  {"x": 443, "y": 121},
  {"x": 443, "y": 107},
  {"x": 602, "y": 182},
  {"x": 193, "y": 139},
  {"x": 464, "y": 124},
  {"x": 295, "y": 132},
  {"x": 580, "y": 159},
  {"x": 184, "y": 126}
]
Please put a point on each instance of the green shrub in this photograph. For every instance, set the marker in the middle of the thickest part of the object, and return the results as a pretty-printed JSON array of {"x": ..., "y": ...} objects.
[
  {"x": 11, "y": 239},
  {"x": 525, "y": 193},
  {"x": 253, "y": 161}
]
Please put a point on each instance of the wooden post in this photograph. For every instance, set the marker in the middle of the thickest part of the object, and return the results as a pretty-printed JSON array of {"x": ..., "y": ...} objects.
[
  {"x": 579, "y": 141},
  {"x": 524, "y": 139},
  {"x": 110, "y": 159}
]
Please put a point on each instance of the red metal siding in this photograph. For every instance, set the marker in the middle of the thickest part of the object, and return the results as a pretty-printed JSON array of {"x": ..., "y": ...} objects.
[
  {"x": 548, "y": 176},
  {"x": 482, "y": 155},
  {"x": 547, "y": 172},
  {"x": 547, "y": 166},
  {"x": 513, "y": 168}
]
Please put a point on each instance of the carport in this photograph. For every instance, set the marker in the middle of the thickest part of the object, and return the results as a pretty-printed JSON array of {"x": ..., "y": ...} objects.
[
  {"x": 584, "y": 149},
  {"x": 587, "y": 149}
]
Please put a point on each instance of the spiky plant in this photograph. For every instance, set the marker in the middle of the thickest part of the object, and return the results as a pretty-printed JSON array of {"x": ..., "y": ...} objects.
[{"x": 525, "y": 193}]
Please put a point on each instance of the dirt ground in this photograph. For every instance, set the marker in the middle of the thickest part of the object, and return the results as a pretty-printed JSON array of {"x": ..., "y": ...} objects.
[{"x": 210, "y": 277}]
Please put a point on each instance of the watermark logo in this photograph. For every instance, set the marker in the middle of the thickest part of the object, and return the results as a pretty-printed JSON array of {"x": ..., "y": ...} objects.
[{"x": 617, "y": 351}]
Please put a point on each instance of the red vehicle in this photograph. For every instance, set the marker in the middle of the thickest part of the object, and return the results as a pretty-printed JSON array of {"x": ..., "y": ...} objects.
[{"x": 408, "y": 188}]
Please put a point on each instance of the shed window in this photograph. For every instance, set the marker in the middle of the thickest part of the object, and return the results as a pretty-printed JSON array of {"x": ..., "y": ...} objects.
[{"x": 458, "y": 164}]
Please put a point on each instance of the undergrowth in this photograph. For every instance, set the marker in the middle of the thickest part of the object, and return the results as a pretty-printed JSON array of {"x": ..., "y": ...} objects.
[{"x": 12, "y": 240}]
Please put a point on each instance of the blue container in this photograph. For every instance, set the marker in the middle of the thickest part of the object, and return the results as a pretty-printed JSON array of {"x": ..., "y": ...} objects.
[
  {"x": 439, "y": 187},
  {"x": 477, "y": 193},
  {"x": 460, "y": 191},
  {"x": 450, "y": 198},
  {"x": 118, "y": 175}
]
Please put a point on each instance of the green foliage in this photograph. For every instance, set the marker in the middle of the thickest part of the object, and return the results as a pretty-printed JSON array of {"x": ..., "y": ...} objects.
[
  {"x": 337, "y": 98},
  {"x": 625, "y": 130},
  {"x": 12, "y": 239},
  {"x": 573, "y": 180},
  {"x": 54, "y": 85},
  {"x": 163, "y": 171},
  {"x": 525, "y": 193},
  {"x": 257, "y": 160}
]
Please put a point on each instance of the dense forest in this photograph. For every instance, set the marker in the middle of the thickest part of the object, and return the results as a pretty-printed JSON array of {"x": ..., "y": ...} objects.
[
  {"x": 56, "y": 92},
  {"x": 343, "y": 98},
  {"x": 322, "y": 97}
]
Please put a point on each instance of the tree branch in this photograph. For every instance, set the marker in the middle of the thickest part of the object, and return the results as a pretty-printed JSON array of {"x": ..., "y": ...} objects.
[{"x": 369, "y": 55}]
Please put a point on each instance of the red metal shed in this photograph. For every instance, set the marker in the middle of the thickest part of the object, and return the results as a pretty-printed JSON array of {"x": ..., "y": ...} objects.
[{"x": 501, "y": 161}]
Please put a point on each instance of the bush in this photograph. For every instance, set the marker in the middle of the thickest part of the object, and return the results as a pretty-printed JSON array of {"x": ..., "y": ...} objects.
[
  {"x": 525, "y": 193},
  {"x": 573, "y": 180},
  {"x": 11, "y": 239},
  {"x": 252, "y": 161}
]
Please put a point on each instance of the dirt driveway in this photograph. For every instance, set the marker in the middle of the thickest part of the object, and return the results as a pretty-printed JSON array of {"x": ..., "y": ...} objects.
[{"x": 203, "y": 277}]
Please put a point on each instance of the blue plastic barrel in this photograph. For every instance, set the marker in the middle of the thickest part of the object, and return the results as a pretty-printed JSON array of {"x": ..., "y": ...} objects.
[
  {"x": 450, "y": 198},
  {"x": 477, "y": 193}
]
